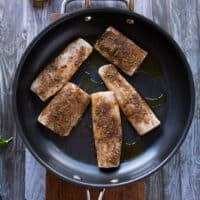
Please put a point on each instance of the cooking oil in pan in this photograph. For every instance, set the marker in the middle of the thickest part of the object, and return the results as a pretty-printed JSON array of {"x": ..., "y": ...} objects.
[
  {"x": 95, "y": 60},
  {"x": 88, "y": 84},
  {"x": 89, "y": 79},
  {"x": 155, "y": 102},
  {"x": 151, "y": 67},
  {"x": 130, "y": 151}
]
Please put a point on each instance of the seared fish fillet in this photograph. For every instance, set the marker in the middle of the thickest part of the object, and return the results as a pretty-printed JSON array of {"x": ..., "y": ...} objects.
[
  {"x": 120, "y": 50},
  {"x": 65, "y": 109},
  {"x": 106, "y": 129},
  {"x": 60, "y": 71},
  {"x": 132, "y": 104}
]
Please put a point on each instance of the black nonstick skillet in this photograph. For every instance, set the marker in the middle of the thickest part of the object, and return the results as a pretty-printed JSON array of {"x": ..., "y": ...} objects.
[{"x": 165, "y": 72}]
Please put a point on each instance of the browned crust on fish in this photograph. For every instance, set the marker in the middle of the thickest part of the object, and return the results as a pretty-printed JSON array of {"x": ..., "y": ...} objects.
[
  {"x": 61, "y": 69},
  {"x": 65, "y": 109},
  {"x": 106, "y": 129},
  {"x": 132, "y": 104},
  {"x": 120, "y": 50}
]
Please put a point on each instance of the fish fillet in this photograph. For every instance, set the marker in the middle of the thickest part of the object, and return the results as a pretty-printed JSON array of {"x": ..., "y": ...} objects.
[
  {"x": 65, "y": 109},
  {"x": 132, "y": 104},
  {"x": 60, "y": 71},
  {"x": 120, "y": 50},
  {"x": 106, "y": 129}
]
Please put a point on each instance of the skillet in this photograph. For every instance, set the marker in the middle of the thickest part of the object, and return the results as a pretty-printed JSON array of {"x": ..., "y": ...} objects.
[{"x": 73, "y": 158}]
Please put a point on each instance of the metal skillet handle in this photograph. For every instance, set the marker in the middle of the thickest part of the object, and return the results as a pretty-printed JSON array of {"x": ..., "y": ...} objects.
[
  {"x": 100, "y": 197},
  {"x": 129, "y": 3}
]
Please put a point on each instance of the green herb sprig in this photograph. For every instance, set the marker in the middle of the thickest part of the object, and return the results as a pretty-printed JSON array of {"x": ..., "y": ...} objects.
[{"x": 4, "y": 142}]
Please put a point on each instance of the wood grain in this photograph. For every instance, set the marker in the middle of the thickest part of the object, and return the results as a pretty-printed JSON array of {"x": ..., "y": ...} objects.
[
  {"x": 19, "y": 23},
  {"x": 35, "y": 175},
  {"x": 34, "y": 20},
  {"x": 12, "y": 42},
  {"x": 56, "y": 189}
]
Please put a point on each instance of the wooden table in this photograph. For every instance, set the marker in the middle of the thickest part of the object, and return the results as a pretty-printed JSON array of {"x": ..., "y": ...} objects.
[{"x": 21, "y": 177}]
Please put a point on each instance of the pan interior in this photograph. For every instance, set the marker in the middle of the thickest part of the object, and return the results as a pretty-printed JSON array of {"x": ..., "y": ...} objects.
[{"x": 163, "y": 79}]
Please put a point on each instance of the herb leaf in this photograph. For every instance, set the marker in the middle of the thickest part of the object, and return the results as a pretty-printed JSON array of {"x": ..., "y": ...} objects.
[{"x": 4, "y": 142}]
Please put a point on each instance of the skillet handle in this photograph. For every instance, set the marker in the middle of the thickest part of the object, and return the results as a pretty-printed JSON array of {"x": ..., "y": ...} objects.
[
  {"x": 100, "y": 197},
  {"x": 130, "y": 4}
]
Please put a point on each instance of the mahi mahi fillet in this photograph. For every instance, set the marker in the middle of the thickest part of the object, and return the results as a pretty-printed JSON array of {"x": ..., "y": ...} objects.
[
  {"x": 120, "y": 50},
  {"x": 60, "y": 71},
  {"x": 132, "y": 104},
  {"x": 65, "y": 109},
  {"x": 107, "y": 129}
]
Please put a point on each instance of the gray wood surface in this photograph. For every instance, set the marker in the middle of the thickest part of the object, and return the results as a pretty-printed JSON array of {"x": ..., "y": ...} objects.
[
  {"x": 12, "y": 44},
  {"x": 21, "y": 176}
]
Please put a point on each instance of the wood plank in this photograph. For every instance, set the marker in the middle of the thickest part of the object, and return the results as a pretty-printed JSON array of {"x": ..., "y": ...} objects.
[
  {"x": 60, "y": 190},
  {"x": 35, "y": 175},
  {"x": 12, "y": 42},
  {"x": 35, "y": 19}
]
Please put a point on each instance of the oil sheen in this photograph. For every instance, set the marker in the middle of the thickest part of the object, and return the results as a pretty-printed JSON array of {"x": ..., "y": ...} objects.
[
  {"x": 89, "y": 79},
  {"x": 88, "y": 84},
  {"x": 131, "y": 151},
  {"x": 157, "y": 101},
  {"x": 151, "y": 67}
]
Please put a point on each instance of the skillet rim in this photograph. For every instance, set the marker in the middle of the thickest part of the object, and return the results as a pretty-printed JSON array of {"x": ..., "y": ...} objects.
[{"x": 111, "y": 11}]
